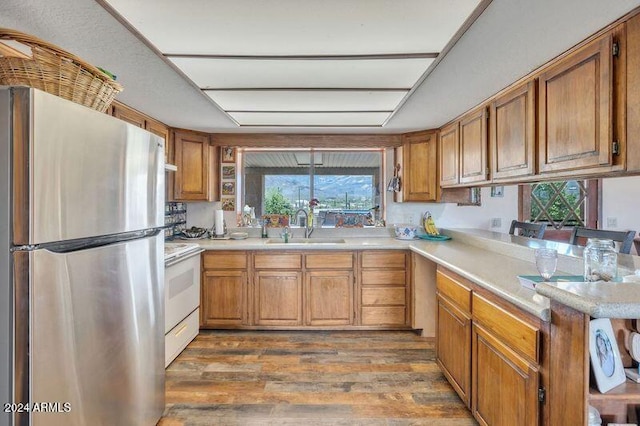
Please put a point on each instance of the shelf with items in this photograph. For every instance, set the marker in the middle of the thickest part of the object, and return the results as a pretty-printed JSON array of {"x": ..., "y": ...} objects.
[{"x": 175, "y": 219}]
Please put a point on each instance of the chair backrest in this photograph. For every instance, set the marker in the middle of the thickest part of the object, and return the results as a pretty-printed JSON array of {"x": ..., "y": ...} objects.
[
  {"x": 527, "y": 229},
  {"x": 625, "y": 238}
]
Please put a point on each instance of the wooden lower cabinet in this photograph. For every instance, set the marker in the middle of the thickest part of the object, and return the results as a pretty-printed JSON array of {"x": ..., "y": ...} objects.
[
  {"x": 225, "y": 285},
  {"x": 298, "y": 288},
  {"x": 384, "y": 291},
  {"x": 490, "y": 352},
  {"x": 278, "y": 298},
  {"x": 224, "y": 298},
  {"x": 329, "y": 298},
  {"x": 505, "y": 385},
  {"x": 453, "y": 350}
]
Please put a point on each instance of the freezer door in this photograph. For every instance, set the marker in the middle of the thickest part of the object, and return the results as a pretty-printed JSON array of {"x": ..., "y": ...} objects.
[
  {"x": 90, "y": 174},
  {"x": 97, "y": 334}
]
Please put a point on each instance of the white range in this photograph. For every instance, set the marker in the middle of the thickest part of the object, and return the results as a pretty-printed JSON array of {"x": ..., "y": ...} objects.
[{"x": 181, "y": 296}]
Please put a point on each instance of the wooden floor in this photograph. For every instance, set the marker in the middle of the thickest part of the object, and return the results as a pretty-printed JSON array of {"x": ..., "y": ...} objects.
[{"x": 310, "y": 378}]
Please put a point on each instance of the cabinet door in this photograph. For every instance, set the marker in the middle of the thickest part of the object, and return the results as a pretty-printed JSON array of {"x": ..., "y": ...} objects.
[
  {"x": 575, "y": 110},
  {"x": 453, "y": 348},
  {"x": 420, "y": 166},
  {"x": 633, "y": 94},
  {"x": 192, "y": 180},
  {"x": 473, "y": 147},
  {"x": 513, "y": 133},
  {"x": 329, "y": 297},
  {"x": 161, "y": 130},
  {"x": 449, "y": 152},
  {"x": 505, "y": 386},
  {"x": 224, "y": 298},
  {"x": 278, "y": 298}
]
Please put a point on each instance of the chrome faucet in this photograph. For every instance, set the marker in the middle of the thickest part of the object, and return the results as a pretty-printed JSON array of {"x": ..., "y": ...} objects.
[{"x": 308, "y": 225}]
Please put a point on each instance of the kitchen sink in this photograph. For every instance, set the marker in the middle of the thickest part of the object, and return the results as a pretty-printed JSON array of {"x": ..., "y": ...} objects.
[{"x": 306, "y": 241}]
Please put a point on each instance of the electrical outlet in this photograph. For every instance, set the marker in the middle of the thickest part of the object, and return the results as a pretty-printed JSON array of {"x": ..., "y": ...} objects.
[
  {"x": 612, "y": 222},
  {"x": 496, "y": 222},
  {"x": 410, "y": 219}
]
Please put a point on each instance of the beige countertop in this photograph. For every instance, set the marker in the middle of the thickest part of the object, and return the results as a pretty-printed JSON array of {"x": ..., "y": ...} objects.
[{"x": 493, "y": 261}]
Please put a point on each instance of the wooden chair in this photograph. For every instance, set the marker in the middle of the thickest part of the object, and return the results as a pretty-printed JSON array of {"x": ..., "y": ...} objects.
[
  {"x": 625, "y": 238},
  {"x": 527, "y": 229}
]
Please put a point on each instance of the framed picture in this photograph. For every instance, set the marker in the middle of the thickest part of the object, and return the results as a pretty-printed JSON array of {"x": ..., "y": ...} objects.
[
  {"x": 228, "y": 172},
  {"x": 228, "y": 154},
  {"x": 229, "y": 204},
  {"x": 497, "y": 191},
  {"x": 605, "y": 355},
  {"x": 228, "y": 188}
]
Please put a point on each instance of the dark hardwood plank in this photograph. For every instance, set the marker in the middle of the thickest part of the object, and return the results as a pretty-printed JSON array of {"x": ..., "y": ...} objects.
[{"x": 310, "y": 377}]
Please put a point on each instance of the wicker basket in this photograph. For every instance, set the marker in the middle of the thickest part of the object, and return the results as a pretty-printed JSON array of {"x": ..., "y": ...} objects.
[{"x": 56, "y": 71}]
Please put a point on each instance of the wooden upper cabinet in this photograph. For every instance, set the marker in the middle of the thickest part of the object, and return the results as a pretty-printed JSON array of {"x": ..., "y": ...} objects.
[
  {"x": 449, "y": 153},
  {"x": 129, "y": 115},
  {"x": 474, "y": 166},
  {"x": 575, "y": 105},
  {"x": 161, "y": 130},
  {"x": 633, "y": 94},
  {"x": 194, "y": 180},
  {"x": 420, "y": 166},
  {"x": 513, "y": 120}
]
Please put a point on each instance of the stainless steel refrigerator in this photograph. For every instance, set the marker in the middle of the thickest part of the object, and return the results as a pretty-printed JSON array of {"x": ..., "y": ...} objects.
[{"x": 81, "y": 293}]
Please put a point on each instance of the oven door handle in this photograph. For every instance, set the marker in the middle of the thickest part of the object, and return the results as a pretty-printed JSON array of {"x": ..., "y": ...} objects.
[{"x": 179, "y": 259}]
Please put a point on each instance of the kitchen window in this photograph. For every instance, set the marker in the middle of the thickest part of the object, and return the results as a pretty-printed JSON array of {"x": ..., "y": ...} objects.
[
  {"x": 561, "y": 205},
  {"x": 347, "y": 184}
]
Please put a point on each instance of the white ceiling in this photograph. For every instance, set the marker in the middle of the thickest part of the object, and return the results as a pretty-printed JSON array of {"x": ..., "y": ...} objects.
[
  {"x": 322, "y": 47},
  {"x": 509, "y": 39}
]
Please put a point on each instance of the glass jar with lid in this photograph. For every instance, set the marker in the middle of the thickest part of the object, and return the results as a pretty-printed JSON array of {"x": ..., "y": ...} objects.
[{"x": 600, "y": 260}]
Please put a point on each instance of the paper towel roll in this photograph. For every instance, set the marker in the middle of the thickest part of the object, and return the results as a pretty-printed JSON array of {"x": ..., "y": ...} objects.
[{"x": 219, "y": 222}]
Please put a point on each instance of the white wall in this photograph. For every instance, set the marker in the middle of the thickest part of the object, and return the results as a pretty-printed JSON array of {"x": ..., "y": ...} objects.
[
  {"x": 450, "y": 215},
  {"x": 200, "y": 214},
  {"x": 621, "y": 204}
]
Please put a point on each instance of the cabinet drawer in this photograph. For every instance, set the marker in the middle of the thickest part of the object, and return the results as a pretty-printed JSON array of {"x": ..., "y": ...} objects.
[
  {"x": 383, "y": 296},
  {"x": 383, "y": 259},
  {"x": 454, "y": 291},
  {"x": 278, "y": 261},
  {"x": 225, "y": 260},
  {"x": 179, "y": 337},
  {"x": 383, "y": 315},
  {"x": 513, "y": 331},
  {"x": 384, "y": 278},
  {"x": 329, "y": 261}
]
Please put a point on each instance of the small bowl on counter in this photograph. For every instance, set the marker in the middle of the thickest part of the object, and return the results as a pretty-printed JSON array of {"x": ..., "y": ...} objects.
[
  {"x": 194, "y": 233},
  {"x": 406, "y": 231}
]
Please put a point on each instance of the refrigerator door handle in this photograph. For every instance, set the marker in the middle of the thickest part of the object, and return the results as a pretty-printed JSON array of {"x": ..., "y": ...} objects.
[{"x": 94, "y": 242}]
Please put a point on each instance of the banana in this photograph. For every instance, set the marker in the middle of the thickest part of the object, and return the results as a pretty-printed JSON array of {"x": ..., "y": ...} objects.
[{"x": 430, "y": 225}]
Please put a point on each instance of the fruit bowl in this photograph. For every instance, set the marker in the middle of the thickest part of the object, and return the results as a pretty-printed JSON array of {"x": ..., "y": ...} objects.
[{"x": 406, "y": 232}]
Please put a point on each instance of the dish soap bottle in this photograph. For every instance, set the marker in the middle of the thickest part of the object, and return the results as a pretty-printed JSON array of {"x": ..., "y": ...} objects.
[{"x": 264, "y": 229}]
